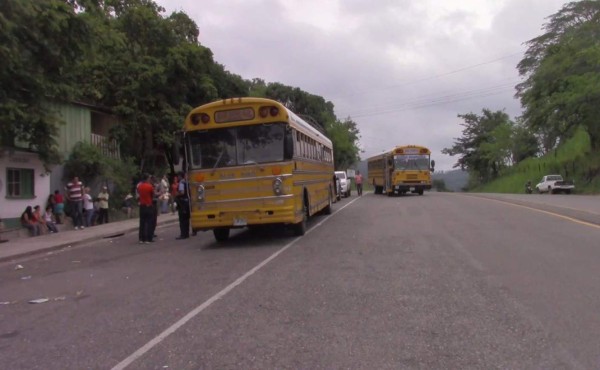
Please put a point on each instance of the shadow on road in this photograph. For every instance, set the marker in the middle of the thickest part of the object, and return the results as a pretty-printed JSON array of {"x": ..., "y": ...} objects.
[{"x": 261, "y": 236}]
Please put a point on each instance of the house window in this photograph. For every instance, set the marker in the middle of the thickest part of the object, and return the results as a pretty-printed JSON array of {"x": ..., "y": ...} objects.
[{"x": 19, "y": 183}]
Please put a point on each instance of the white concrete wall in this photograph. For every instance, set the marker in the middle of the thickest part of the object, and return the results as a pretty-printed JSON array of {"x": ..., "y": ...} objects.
[{"x": 11, "y": 208}]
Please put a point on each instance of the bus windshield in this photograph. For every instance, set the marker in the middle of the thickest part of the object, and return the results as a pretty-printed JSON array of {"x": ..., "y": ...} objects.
[
  {"x": 411, "y": 162},
  {"x": 237, "y": 146}
]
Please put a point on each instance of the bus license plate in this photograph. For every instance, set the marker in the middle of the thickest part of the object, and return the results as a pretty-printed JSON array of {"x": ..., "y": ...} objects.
[
  {"x": 412, "y": 189},
  {"x": 239, "y": 221}
]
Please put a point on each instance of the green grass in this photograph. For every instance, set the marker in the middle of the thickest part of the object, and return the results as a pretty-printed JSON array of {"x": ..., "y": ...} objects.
[{"x": 573, "y": 160}]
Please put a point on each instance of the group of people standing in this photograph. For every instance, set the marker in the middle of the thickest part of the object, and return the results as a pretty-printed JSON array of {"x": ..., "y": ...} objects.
[
  {"x": 155, "y": 196},
  {"x": 84, "y": 210}
]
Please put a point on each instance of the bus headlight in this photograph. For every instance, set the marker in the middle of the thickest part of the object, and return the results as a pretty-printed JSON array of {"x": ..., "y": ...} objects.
[
  {"x": 200, "y": 192},
  {"x": 278, "y": 186}
]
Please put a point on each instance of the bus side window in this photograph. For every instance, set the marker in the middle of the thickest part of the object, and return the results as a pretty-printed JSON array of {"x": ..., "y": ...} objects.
[{"x": 288, "y": 144}]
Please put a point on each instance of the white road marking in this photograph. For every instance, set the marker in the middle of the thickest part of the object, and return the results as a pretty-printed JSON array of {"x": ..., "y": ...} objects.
[{"x": 193, "y": 313}]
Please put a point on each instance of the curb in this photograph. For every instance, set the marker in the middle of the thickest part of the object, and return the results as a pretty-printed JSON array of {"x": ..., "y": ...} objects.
[{"x": 64, "y": 245}]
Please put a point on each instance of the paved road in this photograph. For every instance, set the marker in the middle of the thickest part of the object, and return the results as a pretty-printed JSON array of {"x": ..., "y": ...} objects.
[{"x": 438, "y": 281}]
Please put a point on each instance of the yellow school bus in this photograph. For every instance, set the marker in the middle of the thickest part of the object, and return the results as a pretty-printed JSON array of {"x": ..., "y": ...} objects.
[
  {"x": 251, "y": 161},
  {"x": 400, "y": 170}
]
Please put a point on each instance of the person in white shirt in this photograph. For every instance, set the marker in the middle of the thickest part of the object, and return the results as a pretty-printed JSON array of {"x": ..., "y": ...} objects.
[
  {"x": 163, "y": 197},
  {"x": 103, "y": 206},
  {"x": 49, "y": 219},
  {"x": 88, "y": 207}
]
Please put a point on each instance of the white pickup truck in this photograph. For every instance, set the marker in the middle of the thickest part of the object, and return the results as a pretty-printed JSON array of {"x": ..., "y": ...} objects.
[{"x": 553, "y": 184}]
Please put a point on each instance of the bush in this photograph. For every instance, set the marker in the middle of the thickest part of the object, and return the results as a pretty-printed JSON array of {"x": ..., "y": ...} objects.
[{"x": 87, "y": 162}]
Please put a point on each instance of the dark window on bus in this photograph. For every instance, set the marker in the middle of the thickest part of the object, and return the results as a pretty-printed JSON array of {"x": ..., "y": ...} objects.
[{"x": 235, "y": 146}]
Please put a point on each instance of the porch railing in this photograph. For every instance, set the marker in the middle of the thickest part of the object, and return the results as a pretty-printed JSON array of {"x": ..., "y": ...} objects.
[{"x": 108, "y": 147}]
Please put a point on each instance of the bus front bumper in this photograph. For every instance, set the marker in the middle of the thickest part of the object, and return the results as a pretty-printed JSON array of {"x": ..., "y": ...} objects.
[
  {"x": 245, "y": 214},
  {"x": 412, "y": 187}
]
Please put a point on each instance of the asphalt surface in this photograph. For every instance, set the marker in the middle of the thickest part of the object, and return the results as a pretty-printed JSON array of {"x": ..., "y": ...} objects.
[{"x": 441, "y": 281}]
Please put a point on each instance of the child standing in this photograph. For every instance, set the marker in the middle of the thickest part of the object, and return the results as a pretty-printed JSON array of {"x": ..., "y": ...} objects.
[{"x": 59, "y": 206}]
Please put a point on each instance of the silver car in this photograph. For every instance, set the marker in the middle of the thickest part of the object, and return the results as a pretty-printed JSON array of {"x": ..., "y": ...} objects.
[{"x": 344, "y": 183}]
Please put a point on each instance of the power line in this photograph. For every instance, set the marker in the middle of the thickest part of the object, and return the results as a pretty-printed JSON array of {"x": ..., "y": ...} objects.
[
  {"x": 462, "y": 69},
  {"x": 401, "y": 102},
  {"x": 428, "y": 101}
]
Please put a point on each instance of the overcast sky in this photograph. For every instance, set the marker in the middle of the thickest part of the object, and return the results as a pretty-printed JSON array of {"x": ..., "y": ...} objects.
[{"x": 402, "y": 70}]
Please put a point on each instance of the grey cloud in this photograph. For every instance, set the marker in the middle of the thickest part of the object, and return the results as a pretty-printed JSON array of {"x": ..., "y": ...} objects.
[{"x": 420, "y": 97}]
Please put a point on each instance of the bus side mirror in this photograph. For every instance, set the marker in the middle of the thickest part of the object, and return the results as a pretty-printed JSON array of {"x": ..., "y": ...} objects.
[{"x": 432, "y": 165}]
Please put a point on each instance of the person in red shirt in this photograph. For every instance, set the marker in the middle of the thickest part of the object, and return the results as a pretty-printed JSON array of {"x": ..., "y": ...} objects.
[
  {"x": 59, "y": 206},
  {"x": 145, "y": 191}
]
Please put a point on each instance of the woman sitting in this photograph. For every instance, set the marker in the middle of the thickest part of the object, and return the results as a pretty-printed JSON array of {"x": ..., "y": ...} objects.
[
  {"x": 37, "y": 217},
  {"x": 29, "y": 222}
]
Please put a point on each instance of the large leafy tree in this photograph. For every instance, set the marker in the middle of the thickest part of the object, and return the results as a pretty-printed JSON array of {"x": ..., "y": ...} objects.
[
  {"x": 41, "y": 41},
  {"x": 524, "y": 143},
  {"x": 562, "y": 70},
  {"x": 128, "y": 57},
  {"x": 150, "y": 70},
  {"x": 485, "y": 145},
  {"x": 345, "y": 136}
]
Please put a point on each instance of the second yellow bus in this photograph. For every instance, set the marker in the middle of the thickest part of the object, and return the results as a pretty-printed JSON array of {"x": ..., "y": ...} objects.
[{"x": 401, "y": 170}]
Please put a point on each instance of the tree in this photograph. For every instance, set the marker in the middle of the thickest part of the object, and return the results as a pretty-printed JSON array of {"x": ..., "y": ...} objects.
[
  {"x": 524, "y": 143},
  {"x": 496, "y": 149},
  {"x": 87, "y": 162},
  {"x": 562, "y": 70},
  {"x": 41, "y": 41},
  {"x": 485, "y": 145},
  {"x": 128, "y": 57},
  {"x": 439, "y": 185},
  {"x": 150, "y": 70},
  {"x": 345, "y": 136}
]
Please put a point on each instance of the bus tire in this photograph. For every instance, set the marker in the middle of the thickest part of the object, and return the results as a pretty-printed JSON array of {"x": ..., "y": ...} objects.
[
  {"x": 221, "y": 234},
  {"x": 376, "y": 189},
  {"x": 300, "y": 227},
  {"x": 327, "y": 209},
  {"x": 420, "y": 191}
]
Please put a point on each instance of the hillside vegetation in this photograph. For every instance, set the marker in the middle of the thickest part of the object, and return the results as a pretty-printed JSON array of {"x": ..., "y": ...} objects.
[
  {"x": 559, "y": 130},
  {"x": 574, "y": 160}
]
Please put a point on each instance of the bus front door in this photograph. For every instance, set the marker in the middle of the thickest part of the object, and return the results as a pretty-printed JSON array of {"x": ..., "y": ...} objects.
[{"x": 388, "y": 170}]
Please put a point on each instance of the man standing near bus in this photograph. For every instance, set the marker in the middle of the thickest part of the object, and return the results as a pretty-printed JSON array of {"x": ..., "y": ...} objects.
[
  {"x": 358, "y": 180},
  {"x": 145, "y": 192},
  {"x": 183, "y": 207}
]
